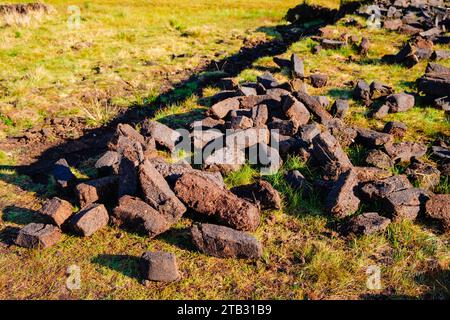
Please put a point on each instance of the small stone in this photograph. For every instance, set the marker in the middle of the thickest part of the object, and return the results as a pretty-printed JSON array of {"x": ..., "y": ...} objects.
[
  {"x": 267, "y": 80},
  {"x": 298, "y": 67},
  {"x": 247, "y": 138},
  {"x": 224, "y": 160},
  {"x": 441, "y": 153},
  {"x": 379, "y": 90},
  {"x": 286, "y": 144},
  {"x": 125, "y": 131},
  {"x": 260, "y": 115},
  {"x": 282, "y": 63},
  {"x": 323, "y": 100},
  {"x": 159, "y": 266},
  {"x": 344, "y": 134},
  {"x": 90, "y": 219},
  {"x": 380, "y": 189},
  {"x": 284, "y": 127},
  {"x": 223, "y": 242},
  {"x": 128, "y": 176},
  {"x": 329, "y": 153},
  {"x": 38, "y": 235},
  {"x": 208, "y": 123},
  {"x": 362, "y": 92},
  {"x": 295, "y": 110},
  {"x": 201, "y": 138},
  {"x": 314, "y": 106},
  {"x": 440, "y": 55},
  {"x": 172, "y": 172},
  {"x": 332, "y": 44},
  {"x": 366, "y": 174},
  {"x": 393, "y": 24},
  {"x": 364, "y": 46},
  {"x": 308, "y": 132},
  {"x": 57, "y": 211},
  {"x": 380, "y": 112},
  {"x": 241, "y": 123}
]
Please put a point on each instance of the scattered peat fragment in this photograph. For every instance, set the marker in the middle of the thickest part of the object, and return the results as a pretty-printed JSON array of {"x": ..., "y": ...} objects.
[
  {"x": 159, "y": 266},
  {"x": 260, "y": 193},
  {"x": 38, "y": 235},
  {"x": 205, "y": 197},
  {"x": 89, "y": 220},
  {"x": 224, "y": 242},
  {"x": 135, "y": 214},
  {"x": 138, "y": 189}
]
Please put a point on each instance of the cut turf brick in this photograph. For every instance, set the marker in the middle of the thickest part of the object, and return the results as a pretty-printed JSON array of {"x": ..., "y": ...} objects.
[
  {"x": 89, "y": 220},
  {"x": 157, "y": 193},
  {"x": 205, "y": 197},
  {"x": 223, "y": 242}
]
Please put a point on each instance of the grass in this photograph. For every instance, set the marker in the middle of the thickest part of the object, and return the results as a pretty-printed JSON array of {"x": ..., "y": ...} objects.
[{"x": 304, "y": 257}]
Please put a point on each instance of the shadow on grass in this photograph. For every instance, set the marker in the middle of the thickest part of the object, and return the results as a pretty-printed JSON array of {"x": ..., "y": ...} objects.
[
  {"x": 124, "y": 264},
  {"x": 22, "y": 216}
]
